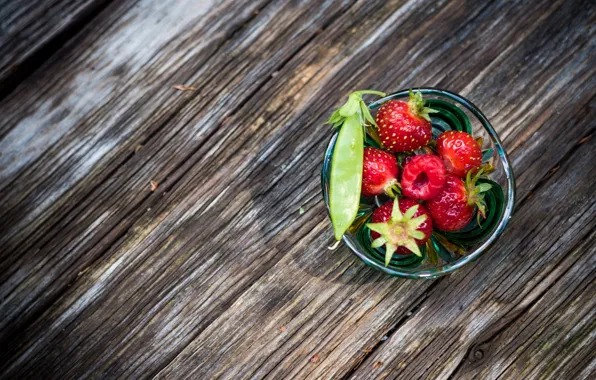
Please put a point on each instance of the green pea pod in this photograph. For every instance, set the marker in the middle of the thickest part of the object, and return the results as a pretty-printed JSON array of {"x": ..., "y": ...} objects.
[
  {"x": 345, "y": 178},
  {"x": 346, "y": 175}
]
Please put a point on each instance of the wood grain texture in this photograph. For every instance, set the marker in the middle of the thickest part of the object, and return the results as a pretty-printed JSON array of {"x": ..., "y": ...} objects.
[
  {"x": 148, "y": 231},
  {"x": 505, "y": 288},
  {"x": 31, "y": 31},
  {"x": 69, "y": 160}
]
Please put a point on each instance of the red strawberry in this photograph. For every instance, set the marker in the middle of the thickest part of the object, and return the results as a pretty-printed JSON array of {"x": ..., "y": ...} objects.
[
  {"x": 423, "y": 177},
  {"x": 460, "y": 152},
  {"x": 400, "y": 229},
  {"x": 404, "y": 127},
  {"x": 454, "y": 207},
  {"x": 379, "y": 173}
]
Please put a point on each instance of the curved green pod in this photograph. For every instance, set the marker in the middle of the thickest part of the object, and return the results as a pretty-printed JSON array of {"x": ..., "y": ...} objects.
[{"x": 346, "y": 175}]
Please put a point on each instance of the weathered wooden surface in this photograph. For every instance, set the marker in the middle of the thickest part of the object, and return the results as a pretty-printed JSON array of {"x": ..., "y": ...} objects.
[
  {"x": 215, "y": 273},
  {"x": 31, "y": 30}
]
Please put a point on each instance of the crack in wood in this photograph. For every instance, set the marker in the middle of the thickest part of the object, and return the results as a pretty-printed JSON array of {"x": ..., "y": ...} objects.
[
  {"x": 129, "y": 217},
  {"x": 141, "y": 204},
  {"x": 589, "y": 236}
]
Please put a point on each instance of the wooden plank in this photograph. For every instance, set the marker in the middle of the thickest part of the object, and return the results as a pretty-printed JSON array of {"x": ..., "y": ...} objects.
[
  {"x": 247, "y": 340},
  {"x": 31, "y": 31},
  {"x": 287, "y": 13},
  {"x": 290, "y": 356},
  {"x": 54, "y": 165},
  {"x": 535, "y": 257},
  {"x": 554, "y": 338},
  {"x": 170, "y": 276}
]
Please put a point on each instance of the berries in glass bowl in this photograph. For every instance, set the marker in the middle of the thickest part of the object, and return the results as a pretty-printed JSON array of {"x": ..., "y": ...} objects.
[{"x": 431, "y": 190}]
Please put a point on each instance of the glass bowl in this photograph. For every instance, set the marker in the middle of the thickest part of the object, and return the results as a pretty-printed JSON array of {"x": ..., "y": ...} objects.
[{"x": 445, "y": 252}]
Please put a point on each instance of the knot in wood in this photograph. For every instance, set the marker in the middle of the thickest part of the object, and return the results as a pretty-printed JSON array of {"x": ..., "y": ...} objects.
[{"x": 478, "y": 354}]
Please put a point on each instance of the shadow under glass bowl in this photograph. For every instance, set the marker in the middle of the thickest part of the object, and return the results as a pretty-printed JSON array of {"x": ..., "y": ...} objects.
[{"x": 456, "y": 113}]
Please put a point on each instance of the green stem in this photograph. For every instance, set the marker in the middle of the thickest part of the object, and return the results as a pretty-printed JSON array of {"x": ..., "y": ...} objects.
[{"x": 372, "y": 92}]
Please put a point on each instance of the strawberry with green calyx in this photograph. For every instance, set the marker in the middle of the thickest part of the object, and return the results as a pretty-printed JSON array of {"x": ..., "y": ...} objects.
[
  {"x": 401, "y": 226},
  {"x": 476, "y": 192},
  {"x": 380, "y": 173},
  {"x": 345, "y": 179},
  {"x": 405, "y": 126},
  {"x": 454, "y": 207}
]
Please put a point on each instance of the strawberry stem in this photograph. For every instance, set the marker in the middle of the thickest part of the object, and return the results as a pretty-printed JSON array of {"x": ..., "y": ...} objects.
[
  {"x": 401, "y": 230},
  {"x": 417, "y": 107},
  {"x": 371, "y": 92},
  {"x": 476, "y": 192},
  {"x": 393, "y": 189}
]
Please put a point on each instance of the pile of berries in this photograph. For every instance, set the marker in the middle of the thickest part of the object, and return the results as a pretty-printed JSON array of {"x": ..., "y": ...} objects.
[
  {"x": 438, "y": 186},
  {"x": 433, "y": 182}
]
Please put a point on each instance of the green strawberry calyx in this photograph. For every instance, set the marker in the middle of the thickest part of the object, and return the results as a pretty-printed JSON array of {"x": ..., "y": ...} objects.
[
  {"x": 401, "y": 230},
  {"x": 393, "y": 188},
  {"x": 417, "y": 107},
  {"x": 476, "y": 192},
  {"x": 354, "y": 105}
]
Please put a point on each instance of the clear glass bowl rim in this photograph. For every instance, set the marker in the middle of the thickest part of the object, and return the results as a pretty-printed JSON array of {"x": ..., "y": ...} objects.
[{"x": 509, "y": 199}]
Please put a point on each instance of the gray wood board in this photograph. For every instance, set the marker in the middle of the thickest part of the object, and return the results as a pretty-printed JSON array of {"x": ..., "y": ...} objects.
[
  {"x": 213, "y": 271},
  {"x": 31, "y": 31}
]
